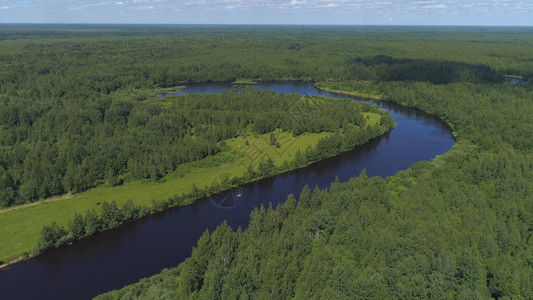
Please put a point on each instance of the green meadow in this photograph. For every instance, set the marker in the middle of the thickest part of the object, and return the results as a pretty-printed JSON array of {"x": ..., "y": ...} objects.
[{"x": 363, "y": 89}]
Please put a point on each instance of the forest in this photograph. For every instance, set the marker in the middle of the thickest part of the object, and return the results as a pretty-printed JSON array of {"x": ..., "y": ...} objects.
[
  {"x": 213, "y": 118},
  {"x": 69, "y": 148},
  {"x": 65, "y": 131},
  {"x": 457, "y": 227}
]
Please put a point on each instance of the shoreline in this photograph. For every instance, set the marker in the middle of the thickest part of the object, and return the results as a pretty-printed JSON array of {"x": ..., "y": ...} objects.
[
  {"x": 189, "y": 199},
  {"x": 14, "y": 262},
  {"x": 340, "y": 92},
  {"x": 355, "y": 94},
  {"x": 188, "y": 202}
]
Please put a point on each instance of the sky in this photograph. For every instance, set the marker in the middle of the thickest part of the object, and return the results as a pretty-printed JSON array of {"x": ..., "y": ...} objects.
[{"x": 334, "y": 12}]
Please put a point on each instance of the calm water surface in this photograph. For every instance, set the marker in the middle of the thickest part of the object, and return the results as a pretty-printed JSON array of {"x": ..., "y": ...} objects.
[{"x": 119, "y": 257}]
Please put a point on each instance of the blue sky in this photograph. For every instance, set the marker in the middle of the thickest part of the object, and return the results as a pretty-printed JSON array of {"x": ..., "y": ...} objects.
[{"x": 349, "y": 12}]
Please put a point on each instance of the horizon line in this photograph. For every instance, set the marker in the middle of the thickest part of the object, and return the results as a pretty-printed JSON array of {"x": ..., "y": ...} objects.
[{"x": 262, "y": 24}]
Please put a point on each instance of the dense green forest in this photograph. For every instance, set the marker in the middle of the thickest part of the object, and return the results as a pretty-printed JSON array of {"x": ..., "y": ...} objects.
[
  {"x": 77, "y": 112},
  {"x": 70, "y": 147},
  {"x": 459, "y": 226},
  {"x": 216, "y": 117}
]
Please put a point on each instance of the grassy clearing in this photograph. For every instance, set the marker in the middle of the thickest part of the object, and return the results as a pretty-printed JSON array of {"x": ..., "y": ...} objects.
[
  {"x": 372, "y": 118},
  {"x": 20, "y": 227},
  {"x": 245, "y": 81},
  {"x": 144, "y": 94},
  {"x": 361, "y": 89}
]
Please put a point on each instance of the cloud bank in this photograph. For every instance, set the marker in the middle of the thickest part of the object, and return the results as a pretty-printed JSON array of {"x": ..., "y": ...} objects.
[{"x": 399, "y": 12}]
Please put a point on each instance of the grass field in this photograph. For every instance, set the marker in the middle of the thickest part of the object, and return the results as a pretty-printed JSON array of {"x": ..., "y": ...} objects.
[
  {"x": 354, "y": 88},
  {"x": 244, "y": 81}
]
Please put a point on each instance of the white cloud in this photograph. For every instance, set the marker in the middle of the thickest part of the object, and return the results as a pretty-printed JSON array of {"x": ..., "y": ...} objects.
[
  {"x": 435, "y": 6},
  {"x": 296, "y": 3},
  {"x": 274, "y": 11}
]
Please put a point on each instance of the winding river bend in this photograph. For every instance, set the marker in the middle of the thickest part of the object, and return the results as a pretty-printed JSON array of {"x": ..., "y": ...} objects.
[{"x": 122, "y": 256}]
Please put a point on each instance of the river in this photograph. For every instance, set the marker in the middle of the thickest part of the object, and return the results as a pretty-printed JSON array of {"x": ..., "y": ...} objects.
[{"x": 141, "y": 248}]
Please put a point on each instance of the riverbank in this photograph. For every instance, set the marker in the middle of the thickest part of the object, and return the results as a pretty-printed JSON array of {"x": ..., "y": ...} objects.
[
  {"x": 22, "y": 226},
  {"x": 447, "y": 121},
  {"x": 344, "y": 88}
]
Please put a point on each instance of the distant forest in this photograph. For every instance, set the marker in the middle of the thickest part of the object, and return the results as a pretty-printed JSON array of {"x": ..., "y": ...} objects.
[{"x": 457, "y": 227}]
